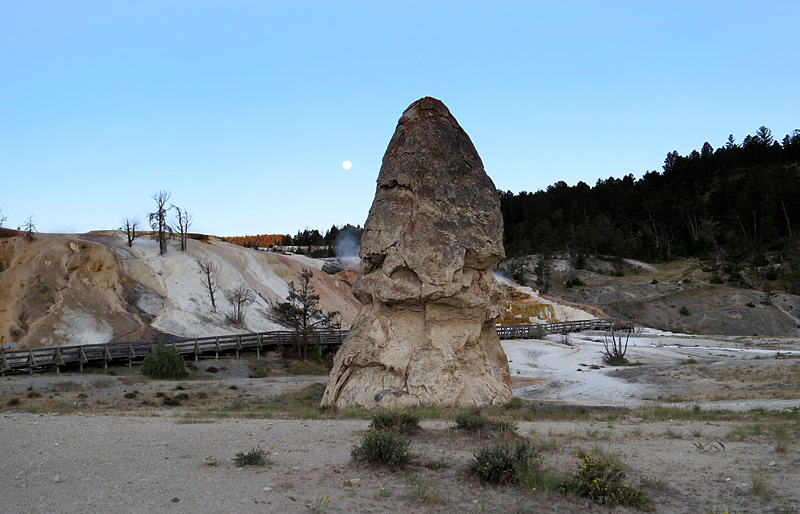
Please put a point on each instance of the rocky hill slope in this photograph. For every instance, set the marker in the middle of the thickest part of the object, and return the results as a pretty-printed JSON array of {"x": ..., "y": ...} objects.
[
  {"x": 677, "y": 296},
  {"x": 92, "y": 288}
]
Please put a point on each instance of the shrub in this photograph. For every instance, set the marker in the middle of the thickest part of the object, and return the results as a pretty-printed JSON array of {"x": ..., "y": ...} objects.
[
  {"x": 505, "y": 464},
  {"x": 164, "y": 363},
  {"x": 602, "y": 480},
  {"x": 255, "y": 457},
  {"x": 395, "y": 421},
  {"x": 423, "y": 489},
  {"x": 13, "y": 402},
  {"x": 572, "y": 282},
  {"x": 131, "y": 395},
  {"x": 513, "y": 404},
  {"x": 383, "y": 448},
  {"x": 716, "y": 279},
  {"x": 684, "y": 311},
  {"x": 174, "y": 401},
  {"x": 34, "y": 394},
  {"x": 261, "y": 372},
  {"x": 474, "y": 423},
  {"x": 750, "y": 304}
]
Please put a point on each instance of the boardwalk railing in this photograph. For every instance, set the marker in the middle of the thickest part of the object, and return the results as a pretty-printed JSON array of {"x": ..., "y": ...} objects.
[
  {"x": 62, "y": 356},
  {"x": 561, "y": 327}
]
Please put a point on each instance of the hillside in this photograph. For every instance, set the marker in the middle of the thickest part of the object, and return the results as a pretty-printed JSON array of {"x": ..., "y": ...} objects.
[
  {"x": 677, "y": 296},
  {"x": 93, "y": 288}
]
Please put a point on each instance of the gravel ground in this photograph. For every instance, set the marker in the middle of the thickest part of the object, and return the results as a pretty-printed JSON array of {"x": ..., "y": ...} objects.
[
  {"x": 104, "y": 442},
  {"x": 130, "y": 464}
]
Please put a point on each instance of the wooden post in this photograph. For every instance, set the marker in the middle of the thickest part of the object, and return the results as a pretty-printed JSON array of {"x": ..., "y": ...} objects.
[
  {"x": 82, "y": 357},
  {"x": 258, "y": 347},
  {"x": 216, "y": 348},
  {"x": 31, "y": 361},
  {"x": 196, "y": 349},
  {"x": 131, "y": 355},
  {"x": 58, "y": 359}
]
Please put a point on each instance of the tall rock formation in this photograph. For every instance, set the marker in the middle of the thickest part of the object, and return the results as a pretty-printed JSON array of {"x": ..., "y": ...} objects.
[{"x": 425, "y": 332}]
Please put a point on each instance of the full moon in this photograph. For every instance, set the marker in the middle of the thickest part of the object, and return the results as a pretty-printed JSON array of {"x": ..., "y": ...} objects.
[{"x": 347, "y": 165}]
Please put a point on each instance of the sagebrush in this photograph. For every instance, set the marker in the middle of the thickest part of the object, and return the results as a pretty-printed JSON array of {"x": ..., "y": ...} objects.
[
  {"x": 164, "y": 363},
  {"x": 396, "y": 421},
  {"x": 383, "y": 448},
  {"x": 503, "y": 463},
  {"x": 603, "y": 480}
]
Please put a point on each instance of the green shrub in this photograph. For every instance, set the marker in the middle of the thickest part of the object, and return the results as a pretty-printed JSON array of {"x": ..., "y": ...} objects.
[
  {"x": 255, "y": 457},
  {"x": 603, "y": 480},
  {"x": 513, "y": 404},
  {"x": 384, "y": 448},
  {"x": 395, "y": 421},
  {"x": 505, "y": 464},
  {"x": 572, "y": 282},
  {"x": 34, "y": 394},
  {"x": 716, "y": 279},
  {"x": 174, "y": 401},
  {"x": 260, "y": 372},
  {"x": 13, "y": 402},
  {"x": 750, "y": 304},
  {"x": 164, "y": 363},
  {"x": 131, "y": 395},
  {"x": 684, "y": 311},
  {"x": 474, "y": 423}
]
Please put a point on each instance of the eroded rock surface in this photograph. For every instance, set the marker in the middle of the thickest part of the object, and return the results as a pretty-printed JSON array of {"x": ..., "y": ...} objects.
[{"x": 425, "y": 332}]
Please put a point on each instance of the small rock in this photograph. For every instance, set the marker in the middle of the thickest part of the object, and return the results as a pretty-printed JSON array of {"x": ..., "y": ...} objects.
[
  {"x": 210, "y": 461},
  {"x": 175, "y": 500},
  {"x": 771, "y": 463},
  {"x": 57, "y": 479}
]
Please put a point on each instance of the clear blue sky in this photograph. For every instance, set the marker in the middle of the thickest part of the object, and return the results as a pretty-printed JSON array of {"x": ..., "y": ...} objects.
[{"x": 245, "y": 110}]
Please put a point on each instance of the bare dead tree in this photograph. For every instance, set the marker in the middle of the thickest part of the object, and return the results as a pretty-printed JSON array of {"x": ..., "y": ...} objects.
[
  {"x": 158, "y": 220},
  {"x": 2, "y": 218},
  {"x": 208, "y": 270},
  {"x": 239, "y": 297},
  {"x": 130, "y": 226},
  {"x": 29, "y": 227},
  {"x": 615, "y": 348},
  {"x": 184, "y": 222}
]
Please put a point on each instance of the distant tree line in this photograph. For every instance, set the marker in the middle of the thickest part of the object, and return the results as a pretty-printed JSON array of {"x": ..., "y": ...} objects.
[
  {"x": 307, "y": 237},
  {"x": 727, "y": 206}
]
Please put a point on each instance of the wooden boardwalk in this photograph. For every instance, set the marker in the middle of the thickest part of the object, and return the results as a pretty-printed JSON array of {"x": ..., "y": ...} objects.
[
  {"x": 62, "y": 356},
  {"x": 58, "y": 357},
  {"x": 562, "y": 327}
]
